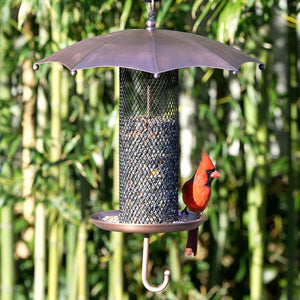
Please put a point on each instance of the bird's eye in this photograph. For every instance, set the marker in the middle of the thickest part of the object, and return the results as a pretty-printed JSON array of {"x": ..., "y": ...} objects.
[{"x": 208, "y": 172}]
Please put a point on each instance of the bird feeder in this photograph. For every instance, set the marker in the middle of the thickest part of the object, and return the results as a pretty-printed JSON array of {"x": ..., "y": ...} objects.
[{"x": 149, "y": 60}]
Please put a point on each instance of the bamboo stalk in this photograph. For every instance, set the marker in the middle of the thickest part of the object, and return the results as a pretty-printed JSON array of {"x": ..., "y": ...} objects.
[
  {"x": 116, "y": 267},
  {"x": 7, "y": 270},
  {"x": 55, "y": 238},
  {"x": 218, "y": 246},
  {"x": 40, "y": 211},
  {"x": 84, "y": 194},
  {"x": 292, "y": 224},
  {"x": 55, "y": 152},
  {"x": 115, "y": 282},
  {"x": 53, "y": 256},
  {"x": 82, "y": 262},
  {"x": 71, "y": 232},
  {"x": 72, "y": 229},
  {"x": 65, "y": 95},
  {"x": 75, "y": 270},
  {"x": 175, "y": 264},
  {"x": 84, "y": 187},
  {"x": 94, "y": 95},
  {"x": 7, "y": 253},
  {"x": 55, "y": 123},
  {"x": 256, "y": 128},
  {"x": 293, "y": 91},
  {"x": 175, "y": 267},
  {"x": 40, "y": 252},
  {"x": 28, "y": 138},
  {"x": 71, "y": 261},
  {"x": 115, "y": 289},
  {"x": 73, "y": 289}
]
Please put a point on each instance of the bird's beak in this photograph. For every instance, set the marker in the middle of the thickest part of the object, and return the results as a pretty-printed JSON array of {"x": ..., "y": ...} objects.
[{"x": 215, "y": 174}]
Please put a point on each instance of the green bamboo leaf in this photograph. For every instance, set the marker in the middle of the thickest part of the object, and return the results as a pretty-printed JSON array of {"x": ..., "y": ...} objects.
[
  {"x": 250, "y": 3},
  {"x": 212, "y": 119},
  {"x": 279, "y": 166},
  {"x": 13, "y": 147},
  {"x": 5, "y": 3},
  {"x": 5, "y": 12},
  {"x": 213, "y": 220},
  {"x": 125, "y": 14},
  {"x": 26, "y": 8},
  {"x": 196, "y": 4},
  {"x": 235, "y": 134},
  {"x": 6, "y": 169},
  {"x": 69, "y": 146},
  {"x": 90, "y": 177},
  {"x": 242, "y": 271},
  {"x": 107, "y": 149},
  {"x": 163, "y": 11},
  {"x": 204, "y": 14},
  {"x": 217, "y": 148},
  {"x": 297, "y": 201},
  {"x": 217, "y": 10},
  {"x": 202, "y": 110},
  {"x": 228, "y": 21}
]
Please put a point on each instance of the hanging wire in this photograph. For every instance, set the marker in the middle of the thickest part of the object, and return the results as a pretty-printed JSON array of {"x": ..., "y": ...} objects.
[{"x": 151, "y": 13}]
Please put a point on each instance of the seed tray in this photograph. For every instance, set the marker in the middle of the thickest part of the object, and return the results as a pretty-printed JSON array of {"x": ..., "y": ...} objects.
[{"x": 109, "y": 220}]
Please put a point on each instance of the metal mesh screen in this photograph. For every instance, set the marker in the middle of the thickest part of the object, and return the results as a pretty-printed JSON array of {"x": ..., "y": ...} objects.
[{"x": 149, "y": 147}]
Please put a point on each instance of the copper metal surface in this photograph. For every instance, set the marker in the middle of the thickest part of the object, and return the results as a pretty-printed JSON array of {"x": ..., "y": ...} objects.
[
  {"x": 146, "y": 283},
  {"x": 149, "y": 51},
  {"x": 192, "y": 222}
]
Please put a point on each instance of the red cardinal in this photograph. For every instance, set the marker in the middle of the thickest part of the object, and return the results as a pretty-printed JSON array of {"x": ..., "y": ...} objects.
[{"x": 196, "y": 194}]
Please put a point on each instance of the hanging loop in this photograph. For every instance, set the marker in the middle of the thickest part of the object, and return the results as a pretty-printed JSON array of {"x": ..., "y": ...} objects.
[
  {"x": 167, "y": 273},
  {"x": 151, "y": 13},
  {"x": 150, "y": 24}
]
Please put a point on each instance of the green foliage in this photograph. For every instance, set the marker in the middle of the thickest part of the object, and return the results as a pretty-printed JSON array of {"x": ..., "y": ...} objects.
[{"x": 84, "y": 184}]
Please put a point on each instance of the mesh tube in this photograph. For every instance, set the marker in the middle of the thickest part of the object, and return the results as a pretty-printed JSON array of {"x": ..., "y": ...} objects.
[{"x": 148, "y": 147}]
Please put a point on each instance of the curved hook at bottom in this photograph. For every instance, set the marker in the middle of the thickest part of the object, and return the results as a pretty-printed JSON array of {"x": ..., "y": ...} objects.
[{"x": 167, "y": 273}]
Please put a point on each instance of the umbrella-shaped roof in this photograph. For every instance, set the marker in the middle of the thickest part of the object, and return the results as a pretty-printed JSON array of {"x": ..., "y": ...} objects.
[{"x": 153, "y": 51}]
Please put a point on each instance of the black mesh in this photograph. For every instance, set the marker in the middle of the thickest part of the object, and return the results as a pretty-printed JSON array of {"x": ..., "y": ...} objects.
[{"x": 149, "y": 151}]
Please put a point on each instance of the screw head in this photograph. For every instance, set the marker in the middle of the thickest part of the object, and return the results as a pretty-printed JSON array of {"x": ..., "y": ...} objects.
[{"x": 35, "y": 67}]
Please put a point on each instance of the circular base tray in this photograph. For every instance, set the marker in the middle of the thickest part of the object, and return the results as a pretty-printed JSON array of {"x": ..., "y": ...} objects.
[{"x": 109, "y": 220}]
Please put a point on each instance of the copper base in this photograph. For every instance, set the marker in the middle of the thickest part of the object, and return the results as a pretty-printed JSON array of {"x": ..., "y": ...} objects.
[{"x": 185, "y": 223}]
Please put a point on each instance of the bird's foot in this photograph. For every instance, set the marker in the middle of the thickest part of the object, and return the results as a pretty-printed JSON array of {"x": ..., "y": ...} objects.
[{"x": 184, "y": 212}]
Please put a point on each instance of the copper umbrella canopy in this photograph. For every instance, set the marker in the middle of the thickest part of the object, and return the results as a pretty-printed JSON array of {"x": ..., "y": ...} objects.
[{"x": 150, "y": 50}]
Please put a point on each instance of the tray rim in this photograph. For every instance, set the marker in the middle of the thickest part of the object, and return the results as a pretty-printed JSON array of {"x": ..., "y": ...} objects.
[{"x": 146, "y": 228}]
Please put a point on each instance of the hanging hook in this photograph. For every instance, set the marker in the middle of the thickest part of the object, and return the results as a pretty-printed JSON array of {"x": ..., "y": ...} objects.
[
  {"x": 150, "y": 24},
  {"x": 167, "y": 273},
  {"x": 151, "y": 6}
]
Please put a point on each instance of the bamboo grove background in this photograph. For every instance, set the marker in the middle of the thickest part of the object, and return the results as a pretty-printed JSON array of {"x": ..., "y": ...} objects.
[{"x": 59, "y": 156}]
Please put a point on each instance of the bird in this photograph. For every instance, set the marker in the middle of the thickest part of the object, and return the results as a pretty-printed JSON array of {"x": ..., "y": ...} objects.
[
  {"x": 196, "y": 194},
  {"x": 196, "y": 191}
]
